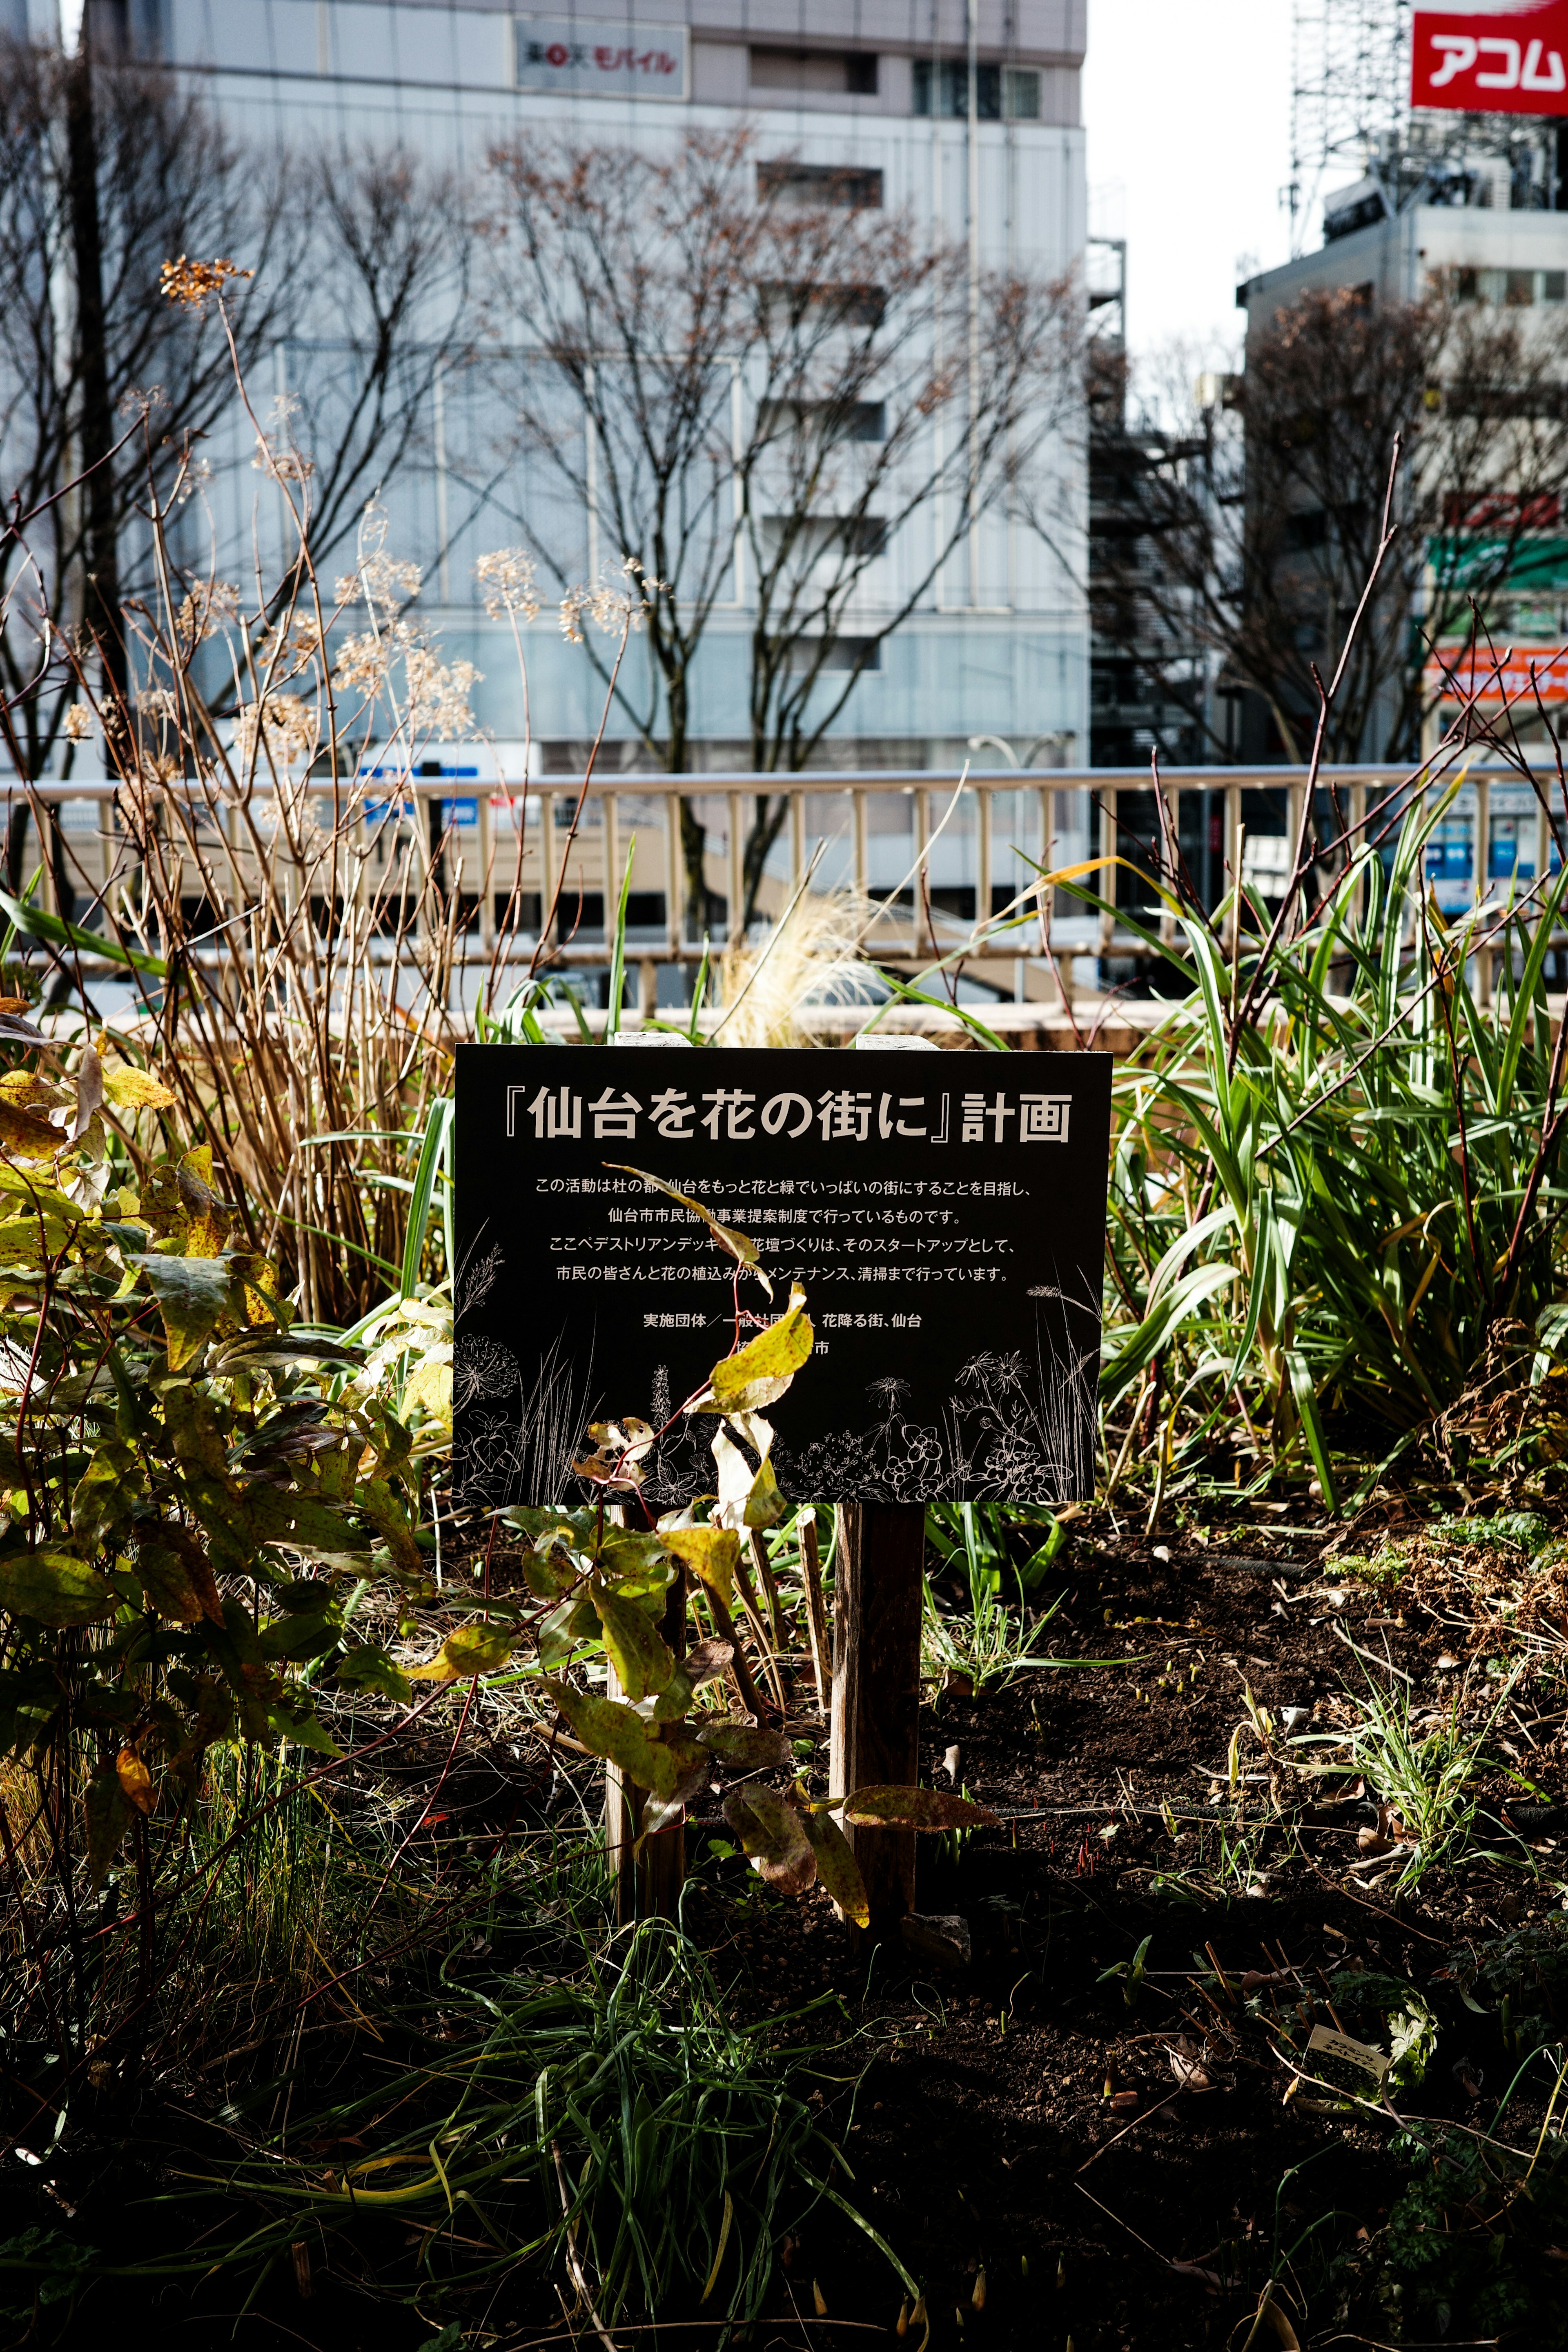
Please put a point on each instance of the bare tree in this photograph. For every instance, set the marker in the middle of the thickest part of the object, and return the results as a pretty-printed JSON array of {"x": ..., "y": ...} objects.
[
  {"x": 755, "y": 378},
  {"x": 108, "y": 171},
  {"x": 1250, "y": 529},
  {"x": 385, "y": 318}
]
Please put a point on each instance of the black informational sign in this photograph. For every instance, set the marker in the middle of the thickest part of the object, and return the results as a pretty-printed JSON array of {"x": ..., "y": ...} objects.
[{"x": 943, "y": 1213}]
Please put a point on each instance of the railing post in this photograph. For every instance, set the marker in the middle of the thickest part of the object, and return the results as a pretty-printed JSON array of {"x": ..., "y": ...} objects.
[
  {"x": 982, "y": 856},
  {"x": 611, "y": 836},
  {"x": 862, "y": 864},
  {"x": 737, "y": 909},
  {"x": 546, "y": 857},
  {"x": 674, "y": 872},
  {"x": 1233, "y": 861},
  {"x": 796, "y": 840},
  {"x": 486, "y": 873},
  {"x": 1108, "y": 874},
  {"x": 1171, "y": 801}
]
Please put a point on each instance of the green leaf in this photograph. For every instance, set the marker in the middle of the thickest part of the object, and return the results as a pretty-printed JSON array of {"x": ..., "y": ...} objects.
[
  {"x": 367, "y": 1667},
  {"x": 837, "y": 1868},
  {"x": 915, "y": 1808},
  {"x": 1413, "y": 2038},
  {"x": 554, "y": 1635},
  {"x": 297, "y": 1640},
  {"x": 637, "y": 1562},
  {"x": 638, "y": 1650},
  {"x": 101, "y": 1501},
  {"x": 758, "y": 1374},
  {"x": 713, "y": 1553},
  {"x": 434, "y": 1151},
  {"x": 745, "y": 1744},
  {"x": 301, "y": 1727},
  {"x": 621, "y": 1738},
  {"x": 56, "y": 1588},
  {"x": 307, "y": 1526},
  {"x": 35, "y": 923},
  {"x": 109, "y": 1813},
  {"x": 192, "y": 1294},
  {"x": 1307, "y": 1406},
  {"x": 773, "y": 1835},
  {"x": 171, "y": 1587}
]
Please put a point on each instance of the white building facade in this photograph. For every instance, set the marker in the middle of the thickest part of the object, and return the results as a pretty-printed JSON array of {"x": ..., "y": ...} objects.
[{"x": 999, "y": 646}]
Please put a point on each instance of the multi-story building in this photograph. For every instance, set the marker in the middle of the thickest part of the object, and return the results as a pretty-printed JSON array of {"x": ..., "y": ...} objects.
[
  {"x": 962, "y": 114},
  {"x": 1460, "y": 211}
]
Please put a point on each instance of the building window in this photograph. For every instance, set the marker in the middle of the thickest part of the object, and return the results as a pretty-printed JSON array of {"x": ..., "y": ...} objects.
[
  {"x": 1514, "y": 287},
  {"x": 847, "y": 73},
  {"x": 824, "y": 420},
  {"x": 1021, "y": 93},
  {"x": 807, "y": 537},
  {"x": 950, "y": 79},
  {"x": 794, "y": 301},
  {"x": 817, "y": 184},
  {"x": 835, "y": 653}
]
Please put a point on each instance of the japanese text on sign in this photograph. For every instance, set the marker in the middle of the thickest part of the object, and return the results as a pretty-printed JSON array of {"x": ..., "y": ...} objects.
[
  {"x": 946, "y": 1221},
  {"x": 556, "y": 53},
  {"x": 1502, "y": 59},
  {"x": 837, "y": 1115}
]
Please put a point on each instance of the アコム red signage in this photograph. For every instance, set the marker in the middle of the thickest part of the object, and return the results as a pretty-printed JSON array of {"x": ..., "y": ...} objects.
[{"x": 1502, "y": 56}]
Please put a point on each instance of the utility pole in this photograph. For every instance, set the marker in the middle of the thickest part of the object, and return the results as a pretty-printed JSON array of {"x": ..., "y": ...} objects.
[{"x": 95, "y": 431}]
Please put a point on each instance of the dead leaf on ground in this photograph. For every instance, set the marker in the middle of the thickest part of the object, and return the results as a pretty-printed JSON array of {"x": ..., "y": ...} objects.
[
  {"x": 1389, "y": 1833},
  {"x": 1189, "y": 2065}
]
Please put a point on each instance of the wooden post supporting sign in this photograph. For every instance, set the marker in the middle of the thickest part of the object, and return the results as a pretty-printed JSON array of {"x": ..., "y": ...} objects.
[{"x": 877, "y": 1686}]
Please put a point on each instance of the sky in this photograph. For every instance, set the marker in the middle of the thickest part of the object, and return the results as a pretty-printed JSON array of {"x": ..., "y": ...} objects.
[{"x": 1187, "y": 106}]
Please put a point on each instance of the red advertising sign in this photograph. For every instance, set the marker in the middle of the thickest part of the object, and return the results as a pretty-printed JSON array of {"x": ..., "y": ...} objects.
[{"x": 1491, "y": 57}]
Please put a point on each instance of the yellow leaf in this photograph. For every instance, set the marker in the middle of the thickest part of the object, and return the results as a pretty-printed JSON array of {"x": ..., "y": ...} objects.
[
  {"x": 134, "y": 1779},
  {"x": 24, "y": 1091},
  {"x": 471, "y": 1650},
  {"x": 130, "y": 1089},
  {"x": 28, "y": 1138},
  {"x": 713, "y": 1552},
  {"x": 429, "y": 1387},
  {"x": 758, "y": 1373}
]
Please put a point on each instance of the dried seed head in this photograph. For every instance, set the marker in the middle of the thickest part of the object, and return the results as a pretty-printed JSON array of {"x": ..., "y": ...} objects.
[
  {"x": 285, "y": 722},
  {"x": 506, "y": 576},
  {"x": 194, "y": 283},
  {"x": 78, "y": 723}
]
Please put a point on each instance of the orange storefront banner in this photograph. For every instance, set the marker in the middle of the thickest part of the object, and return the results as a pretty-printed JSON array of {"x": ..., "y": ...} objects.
[{"x": 1519, "y": 675}]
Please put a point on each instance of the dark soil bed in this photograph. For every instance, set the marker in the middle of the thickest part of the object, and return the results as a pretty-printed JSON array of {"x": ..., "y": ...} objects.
[
  {"x": 1021, "y": 2115},
  {"x": 1081, "y": 2133}
]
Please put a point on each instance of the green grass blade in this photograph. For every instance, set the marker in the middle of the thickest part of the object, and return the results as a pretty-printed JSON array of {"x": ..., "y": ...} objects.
[{"x": 432, "y": 1152}]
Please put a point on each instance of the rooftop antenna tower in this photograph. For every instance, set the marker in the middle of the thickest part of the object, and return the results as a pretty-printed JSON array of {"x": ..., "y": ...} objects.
[{"x": 1349, "y": 96}]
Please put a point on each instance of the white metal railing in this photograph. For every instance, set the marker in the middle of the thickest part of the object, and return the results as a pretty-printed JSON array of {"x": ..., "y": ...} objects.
[{"x": 499, "y": 845}]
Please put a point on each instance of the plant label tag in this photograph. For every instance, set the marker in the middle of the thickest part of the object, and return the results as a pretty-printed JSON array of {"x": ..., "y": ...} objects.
[
  {"x": 1355, "y": 2054},
  {"x": 944, "y": 1215}
]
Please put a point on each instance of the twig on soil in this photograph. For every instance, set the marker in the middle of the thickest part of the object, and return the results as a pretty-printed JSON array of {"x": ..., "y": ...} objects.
[{"x": 1136, "y": 2120}]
